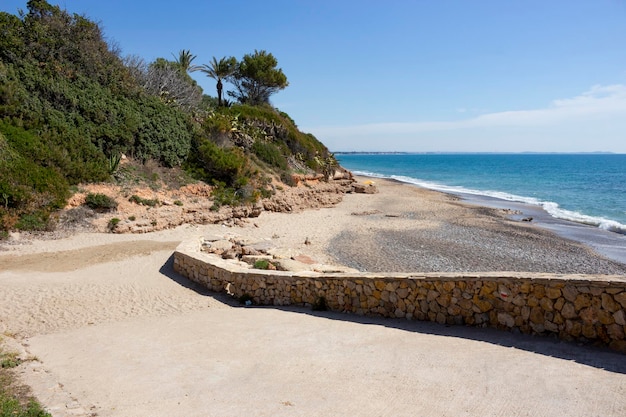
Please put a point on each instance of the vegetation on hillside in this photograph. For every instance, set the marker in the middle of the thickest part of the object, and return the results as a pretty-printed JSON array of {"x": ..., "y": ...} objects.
[{"x": 70, "y": 106}]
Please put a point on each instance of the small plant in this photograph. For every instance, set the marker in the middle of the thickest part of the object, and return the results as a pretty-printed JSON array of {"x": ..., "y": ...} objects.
[
  {"x": 178, "y": 202},
  {"x": 224, "y": 196},
  {"x": 144, "y": 201},
  {"x": 270, "y": 154},
  {"x": 114, "y": 163},
  {"x": 9, "y": 360},
  {"x": 132, "y": 218},
  {"x": 113, "y": 223},
  {"x": 101, "y": 202},
  {"x": 266, "y": 193},
  {"x": 14, "y": 399},
  {"x": 262, "y": 264},
  {"x": 37, "y": 221}
]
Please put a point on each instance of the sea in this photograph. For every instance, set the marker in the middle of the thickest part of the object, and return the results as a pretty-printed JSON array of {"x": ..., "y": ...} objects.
[{"x": 579, "y": 196}]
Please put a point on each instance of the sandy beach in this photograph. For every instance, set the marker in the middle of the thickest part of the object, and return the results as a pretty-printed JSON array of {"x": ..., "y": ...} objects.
[{"x": 110, "y": 330}]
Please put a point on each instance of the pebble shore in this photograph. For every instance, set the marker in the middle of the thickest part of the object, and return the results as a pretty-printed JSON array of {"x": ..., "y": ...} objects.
[{"x": 401, "y": 235}]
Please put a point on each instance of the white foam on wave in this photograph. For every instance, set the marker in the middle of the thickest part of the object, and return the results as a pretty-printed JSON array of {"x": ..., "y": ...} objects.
[{"x": 550, "y": 207}]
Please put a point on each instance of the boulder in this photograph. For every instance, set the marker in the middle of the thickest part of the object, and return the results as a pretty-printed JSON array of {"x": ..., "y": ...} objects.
[
  {"x": 217, "y": 246},
  {"x": 305, "y": 259},
  {"x": 364, "y": 188},
  {"x": 290, "y": 265}
]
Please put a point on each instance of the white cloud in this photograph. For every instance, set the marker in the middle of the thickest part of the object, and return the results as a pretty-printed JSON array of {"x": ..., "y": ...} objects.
[{"x": 601, "y": 109}]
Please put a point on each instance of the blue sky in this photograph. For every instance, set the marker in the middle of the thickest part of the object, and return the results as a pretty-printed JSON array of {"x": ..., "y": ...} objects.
[{"x": 414, "y": 75}]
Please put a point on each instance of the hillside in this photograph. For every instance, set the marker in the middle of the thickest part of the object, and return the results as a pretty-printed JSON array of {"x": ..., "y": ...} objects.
[{"x": 73, "y": 112}]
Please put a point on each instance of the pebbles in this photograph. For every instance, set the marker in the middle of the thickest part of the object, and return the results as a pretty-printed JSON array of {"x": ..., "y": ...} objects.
[{"x": 486, "y": 243}]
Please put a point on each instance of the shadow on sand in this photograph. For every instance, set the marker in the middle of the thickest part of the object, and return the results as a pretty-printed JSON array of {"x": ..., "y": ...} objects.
[{"x": 597, "y": 357}]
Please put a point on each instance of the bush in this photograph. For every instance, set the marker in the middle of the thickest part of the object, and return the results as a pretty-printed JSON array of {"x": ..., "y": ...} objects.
[
  {"x": 100, "y": 202},
  {"x": 25, "y": 185},
  {"x": 113, "y": 223},
  {"x": 9, "y": 360},
  {"x": 261, "y": 264},
  {"x": 213, "y": 164},
  {"x": 35, "y": 222},
  {"x": 163, "y": 135},
  {"x": 144, "y": 201},
  {"x": 270, "y": 154},
  {"x": 224, "y": 196}
]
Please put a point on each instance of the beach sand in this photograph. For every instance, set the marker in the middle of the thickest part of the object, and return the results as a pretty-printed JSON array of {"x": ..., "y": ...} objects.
[{"x": 110, "y": 330}]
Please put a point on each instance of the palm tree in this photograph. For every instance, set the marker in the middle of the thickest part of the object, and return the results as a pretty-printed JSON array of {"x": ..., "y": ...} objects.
[
  {"x": 184, "y": 61},
  {"x": 220, "y": 70}
]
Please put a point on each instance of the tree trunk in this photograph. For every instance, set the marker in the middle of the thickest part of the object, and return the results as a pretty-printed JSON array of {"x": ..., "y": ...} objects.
[{"x": 219, "y": 92}]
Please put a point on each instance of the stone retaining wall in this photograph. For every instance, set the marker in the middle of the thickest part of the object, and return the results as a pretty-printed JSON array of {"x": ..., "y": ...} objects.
[{"x": 586, "y": 308}]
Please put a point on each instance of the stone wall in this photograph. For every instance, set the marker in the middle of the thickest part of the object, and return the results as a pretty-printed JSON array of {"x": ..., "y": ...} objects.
[{"x": 585, "y": 308}]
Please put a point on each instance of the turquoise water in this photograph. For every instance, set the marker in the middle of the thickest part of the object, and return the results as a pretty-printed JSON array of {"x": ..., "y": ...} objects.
[{"x": 584, "y": 188}]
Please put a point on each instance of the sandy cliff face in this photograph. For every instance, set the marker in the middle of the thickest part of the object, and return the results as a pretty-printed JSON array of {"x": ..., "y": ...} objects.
[{"x": 192, "y": 204}]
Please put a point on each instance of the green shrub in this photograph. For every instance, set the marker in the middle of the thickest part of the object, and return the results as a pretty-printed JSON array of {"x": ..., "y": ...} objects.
[
  {"x": 224, "y": 196},
  {"x": 214, "y": 164},
  {"x": 164, "y": 135},
  {"x": 270, "y": 154},
  {"x": 261, "y": 264},
  {"x": 219, "y": 122},
  {"x": 101, "y": 202},
  {"x": 25, "y": 185},
  {"x": 9, "y": 360},
  {"x": 144, "y": 201},
  {"x": 113, "y": 223},
  {"x": 266, "y": 192},
  {"x": 12, "y": 407},
  {"x": 304, "y": 144},
  {"x": 35, "y": 221}
]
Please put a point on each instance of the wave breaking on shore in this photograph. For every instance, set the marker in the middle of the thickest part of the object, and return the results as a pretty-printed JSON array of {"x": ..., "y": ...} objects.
[{"x": 551, "y": 207}]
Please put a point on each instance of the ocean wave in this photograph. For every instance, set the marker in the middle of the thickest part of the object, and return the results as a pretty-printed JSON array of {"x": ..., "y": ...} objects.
[{"x": 552, "y": 208}]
